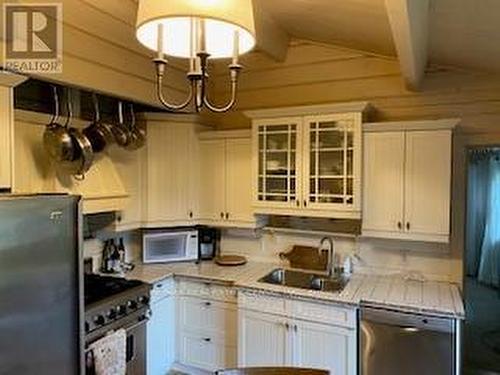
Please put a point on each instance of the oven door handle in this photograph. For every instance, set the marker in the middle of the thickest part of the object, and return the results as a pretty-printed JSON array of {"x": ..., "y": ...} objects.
[{"x": 143, "y": 320}]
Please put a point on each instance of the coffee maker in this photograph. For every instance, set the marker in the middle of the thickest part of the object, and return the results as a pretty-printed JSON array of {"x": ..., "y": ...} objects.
[{"x": 208, "y": 242}]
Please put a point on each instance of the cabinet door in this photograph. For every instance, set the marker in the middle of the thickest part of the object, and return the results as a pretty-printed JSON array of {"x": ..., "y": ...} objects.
[
  {"x": 129, "y": 166},
  {"x": 427, "y": 182},
  {"x": 332, "y": 165},
  {"x": 169, "y": 174},
  {"x": 383, "y": 180},
  {"x": 263, "y": 340},
  {"x": 239, "y": 181},
  {"x": 325, "y": 347},
  {"x": 212, "y": 180},
  {"x": 160, "y": 337},
  {"x": 277, "y": 163},
  {"x": 6, "y": 136}
]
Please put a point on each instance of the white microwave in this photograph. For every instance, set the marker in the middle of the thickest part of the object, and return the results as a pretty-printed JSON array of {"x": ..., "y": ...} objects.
[{"x": 169, "y": 246}]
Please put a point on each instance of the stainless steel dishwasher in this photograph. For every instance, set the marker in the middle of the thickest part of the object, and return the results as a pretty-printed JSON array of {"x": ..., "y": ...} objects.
[{"x": 395, "y": 343}]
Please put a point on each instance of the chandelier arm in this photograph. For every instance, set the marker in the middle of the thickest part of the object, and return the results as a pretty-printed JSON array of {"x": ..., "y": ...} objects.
[
  {"x": 169, "y": 106},
  {"x": 234, "y": 71},
  {"x": 226, "y": 107}
]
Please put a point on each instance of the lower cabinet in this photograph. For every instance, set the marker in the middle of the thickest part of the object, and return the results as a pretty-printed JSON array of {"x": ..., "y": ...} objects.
[
  {"x": 161, "y": 329},
  {"x": 285, "y": 340},
  {"x": 206, "y": 327}
]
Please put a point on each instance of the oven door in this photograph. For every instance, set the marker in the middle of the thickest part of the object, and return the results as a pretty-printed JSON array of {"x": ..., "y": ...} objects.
[
  {"x": 169, "y": 247},
  {"x": 136, "y": 348}
]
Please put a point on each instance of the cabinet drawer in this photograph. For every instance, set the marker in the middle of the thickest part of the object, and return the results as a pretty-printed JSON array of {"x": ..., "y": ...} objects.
[
  {"x": 162, "y": 289},
  {"x": 253, "y": 300},
  {"x": 323, "y": 313},
  {"x": 209, "y": 290},
  {"x": 206, "y": 352},
  {"x": 207, "y": 316}
]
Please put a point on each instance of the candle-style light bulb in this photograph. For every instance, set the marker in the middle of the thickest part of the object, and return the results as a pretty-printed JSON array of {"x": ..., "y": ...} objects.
[
  {"x": 236, "y": 46},
  {"x": 192, "y": 38},
  {"x": 160, "y": 45}
]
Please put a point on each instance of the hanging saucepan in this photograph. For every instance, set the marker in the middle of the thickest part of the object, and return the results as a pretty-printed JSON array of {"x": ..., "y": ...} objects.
[
  {"x": 137, "y": 137},
  {"x": 98, "y": 133},
  {"x": 84, "y": 155},
  {"x": 56, "y": 138},
  {"x": 120, "y": 132}
]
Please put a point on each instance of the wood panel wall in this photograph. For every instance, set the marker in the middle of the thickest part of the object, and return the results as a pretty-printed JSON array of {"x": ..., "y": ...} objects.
[
  {"x": 316, "y": 73},
  {"x": 100, "y": 52}
]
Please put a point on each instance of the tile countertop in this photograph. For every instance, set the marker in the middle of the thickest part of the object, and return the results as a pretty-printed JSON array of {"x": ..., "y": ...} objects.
[{"x": 393, "y": 292}]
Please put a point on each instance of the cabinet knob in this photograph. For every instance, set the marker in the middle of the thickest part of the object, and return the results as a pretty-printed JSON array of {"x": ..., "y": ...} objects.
[
  {"x": 222, "y": 215},
  {"x": 305, "y": 203},
  {"x": 227, "y": 215},
  {"x": 190, "y": 214},
  {"x": 287, "y": 326},
  {"x": 298, "y": 203},
  {"x": 408, "y": 225},
  {"x": 295, "y": 328},
  {"x": 400, "y": 225},
  {"x": 207, "y": 339},
  {"x": 207, "y": 303}
]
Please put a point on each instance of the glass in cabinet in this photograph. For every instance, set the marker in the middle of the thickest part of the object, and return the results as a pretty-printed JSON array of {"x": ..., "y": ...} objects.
[
  {"x": 331, "y": 156},
  {"x": 278, "y": 163}
]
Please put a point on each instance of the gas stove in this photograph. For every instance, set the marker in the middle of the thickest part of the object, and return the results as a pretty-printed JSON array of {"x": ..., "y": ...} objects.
[{"x": 112, "y": 302}]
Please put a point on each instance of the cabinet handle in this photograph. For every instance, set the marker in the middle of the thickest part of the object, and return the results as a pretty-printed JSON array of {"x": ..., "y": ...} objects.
[
  {"x": 207, "y": 303},
  {"x": 408, "y": 225},
  {"x": 298, "y": 203},
  {"x": 227, "y": 215},
  {"x": 305, "y": 203},
  {"x": 295, "y": 328},
  {"x": 287, "y": 326},
  {"x": 222, "y": 215},
  {"x": 400, "y": 225},
  {"x": 207, "y": 339},
  {"x": 190, "y": 214}
]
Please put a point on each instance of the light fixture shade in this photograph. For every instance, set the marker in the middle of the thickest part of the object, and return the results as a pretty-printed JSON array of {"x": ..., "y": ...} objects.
[{"x": 222, "y": 19}]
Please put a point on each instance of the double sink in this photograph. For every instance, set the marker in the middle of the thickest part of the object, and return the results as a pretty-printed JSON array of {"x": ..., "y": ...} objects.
[{"x": 305, "y": 280}]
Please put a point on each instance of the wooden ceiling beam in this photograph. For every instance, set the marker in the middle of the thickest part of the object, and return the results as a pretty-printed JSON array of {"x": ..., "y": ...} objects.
[
  {"x": 409, "y": 20},
  {"x": 271, "y": 38}
]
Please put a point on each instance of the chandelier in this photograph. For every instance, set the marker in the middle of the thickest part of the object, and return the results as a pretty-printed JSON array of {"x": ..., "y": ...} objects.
[{"x": 196, "y": 30}]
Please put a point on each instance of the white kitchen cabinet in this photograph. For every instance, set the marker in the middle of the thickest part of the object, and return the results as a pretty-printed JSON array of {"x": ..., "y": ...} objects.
[
  {"x": 170, "y": 190},
  {"x": 263, "y": 340},
  {"x": 324, "y": 346},
  {"x": 298, "y": 333},
  {"x": 7, "y": 83},
  {"x": 225, "y": 179},
  {"x": 161, "y": 329},
  {"x": 407, "y": 180},
  {"x": 308, "y": 164},
  {"x": 206, "y": 327}
]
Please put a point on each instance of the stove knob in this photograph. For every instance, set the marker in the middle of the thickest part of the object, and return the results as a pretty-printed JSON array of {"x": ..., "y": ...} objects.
[
  {"x": 99, "y": 320},
  {"x": 112, "y": 313},
  {"x": 121, "y": 310},
  {"x": 144, "y": 300},
  {"x": 132, "y": 304}
]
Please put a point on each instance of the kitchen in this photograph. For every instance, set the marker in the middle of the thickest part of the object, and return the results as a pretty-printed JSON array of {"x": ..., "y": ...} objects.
[{"x": 345, "y": 176}]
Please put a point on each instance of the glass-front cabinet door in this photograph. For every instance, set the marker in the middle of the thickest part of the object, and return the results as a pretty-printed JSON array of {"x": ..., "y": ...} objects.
[
  {"x": 276, "y": 146},
  {"x": 332, "y": 167}
]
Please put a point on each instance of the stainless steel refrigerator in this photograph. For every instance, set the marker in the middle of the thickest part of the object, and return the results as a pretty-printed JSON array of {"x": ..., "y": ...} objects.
[{"x": 41, "y": 309}]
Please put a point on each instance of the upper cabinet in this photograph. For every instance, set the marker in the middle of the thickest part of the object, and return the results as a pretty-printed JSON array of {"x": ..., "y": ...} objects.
[
  {"x": 225, "y": 179},
  {"x": 307, "y": 160},
  {"x": 170, "y": 172},
  {"x": 7, "y": 82},
  {"x": 407, "y": 180}
]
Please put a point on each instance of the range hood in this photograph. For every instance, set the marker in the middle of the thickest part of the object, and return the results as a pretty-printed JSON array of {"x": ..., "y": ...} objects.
[{"x": 102, "y": 189}]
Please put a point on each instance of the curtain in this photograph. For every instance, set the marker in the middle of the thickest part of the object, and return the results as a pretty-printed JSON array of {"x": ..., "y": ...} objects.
[
  {"x": 476, "y": 211},
  {"x": 483, "y": 217}
]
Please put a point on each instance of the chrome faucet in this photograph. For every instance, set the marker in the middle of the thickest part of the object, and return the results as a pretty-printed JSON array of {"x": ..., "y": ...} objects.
[{"x": 330, "y": 268}]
